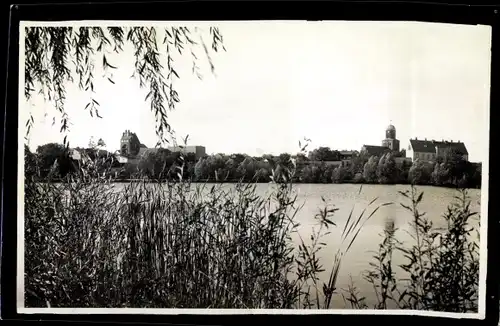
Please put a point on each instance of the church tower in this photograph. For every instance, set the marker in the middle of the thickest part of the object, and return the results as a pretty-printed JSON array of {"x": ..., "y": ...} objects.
[
  {"x": 390, "y": 140},
  {"x": 129, "y": 144}
]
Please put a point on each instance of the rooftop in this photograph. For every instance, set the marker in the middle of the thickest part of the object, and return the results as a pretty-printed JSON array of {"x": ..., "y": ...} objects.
[
  {"x": 429, "y": 146},
  {"x": 348, "y": 153},
  {"x": 376, "y": 150}
]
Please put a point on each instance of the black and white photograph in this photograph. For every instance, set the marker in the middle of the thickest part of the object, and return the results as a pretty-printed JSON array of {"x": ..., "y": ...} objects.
[{"x": 293, "y": 167}]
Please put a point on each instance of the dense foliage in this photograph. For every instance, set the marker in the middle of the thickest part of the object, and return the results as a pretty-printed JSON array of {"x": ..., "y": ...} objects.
[{"x": 452, "y": 171}]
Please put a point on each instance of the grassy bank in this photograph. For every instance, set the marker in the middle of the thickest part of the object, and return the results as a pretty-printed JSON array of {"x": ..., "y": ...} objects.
[{"x": 160, "y": 245}]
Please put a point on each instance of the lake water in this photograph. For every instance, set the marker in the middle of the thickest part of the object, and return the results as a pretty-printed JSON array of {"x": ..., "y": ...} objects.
[{"x": 344, "y": 197}]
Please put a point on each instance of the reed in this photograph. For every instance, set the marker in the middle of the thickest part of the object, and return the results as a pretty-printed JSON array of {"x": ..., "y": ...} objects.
[
  {"x": 174, "y": 244},
  {"x": 441, "y": 267}
]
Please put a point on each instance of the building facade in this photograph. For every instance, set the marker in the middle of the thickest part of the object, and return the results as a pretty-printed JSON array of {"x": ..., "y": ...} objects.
[
  {"x": 348, "y": 155},
  {"x": 390, "y": 140},
  {"x": 129, "y": 144},
  {"x": 390, "y": 143},
  {"x": 430, "y": 150},
  {"x": 132, "y": 150},
  {"x": 198, "y": 151}
]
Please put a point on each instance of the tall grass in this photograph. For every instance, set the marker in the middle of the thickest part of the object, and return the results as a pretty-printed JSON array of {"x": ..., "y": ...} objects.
[
  {"x": 441, "y": 267},
  {"x": 174, "y": 244},
  {"x": 155, "y": 245}
]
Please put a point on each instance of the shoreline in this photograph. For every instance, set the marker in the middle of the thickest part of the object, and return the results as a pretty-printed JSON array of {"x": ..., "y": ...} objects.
[{"x": 268, "y": 182}]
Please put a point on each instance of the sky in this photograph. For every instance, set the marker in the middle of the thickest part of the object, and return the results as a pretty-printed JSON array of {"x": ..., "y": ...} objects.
[{"x": 339, "y": 84}]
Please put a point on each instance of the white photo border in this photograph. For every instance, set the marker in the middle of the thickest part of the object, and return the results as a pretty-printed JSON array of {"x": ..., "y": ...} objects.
[{"x": 481, "y": 314}]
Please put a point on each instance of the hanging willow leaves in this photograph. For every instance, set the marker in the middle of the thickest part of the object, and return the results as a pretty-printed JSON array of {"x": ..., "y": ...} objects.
[{"x": 54, "y": 55}]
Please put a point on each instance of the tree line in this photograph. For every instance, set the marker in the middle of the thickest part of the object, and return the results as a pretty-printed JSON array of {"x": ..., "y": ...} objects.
[{"x": 161, "y": 164}]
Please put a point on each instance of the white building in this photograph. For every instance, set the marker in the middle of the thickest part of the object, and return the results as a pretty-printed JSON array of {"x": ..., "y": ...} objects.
[{"x": 429, "y": 150}]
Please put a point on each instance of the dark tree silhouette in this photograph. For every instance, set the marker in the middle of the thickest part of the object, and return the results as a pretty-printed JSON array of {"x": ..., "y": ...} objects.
[{"x": 324, "y": 154}]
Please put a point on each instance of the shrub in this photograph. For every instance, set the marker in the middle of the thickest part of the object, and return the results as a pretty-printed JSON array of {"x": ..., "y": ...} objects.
[
  {"x": 442, "y": 265},
  {"x": 341, "y": 174},
  {"x": 358, "y": 178}
]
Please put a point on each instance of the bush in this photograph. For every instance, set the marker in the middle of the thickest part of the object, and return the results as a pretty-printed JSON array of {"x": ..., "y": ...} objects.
[
  {"x": 358, "y": 178},
  {"x": 341, "y": 174},
  {"x": 442, "y": 268}
]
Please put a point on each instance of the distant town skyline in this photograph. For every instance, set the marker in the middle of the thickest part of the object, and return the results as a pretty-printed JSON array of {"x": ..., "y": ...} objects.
[
  {"x": 303, "y": 142},
  {"x": 338, "y": 83}
]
